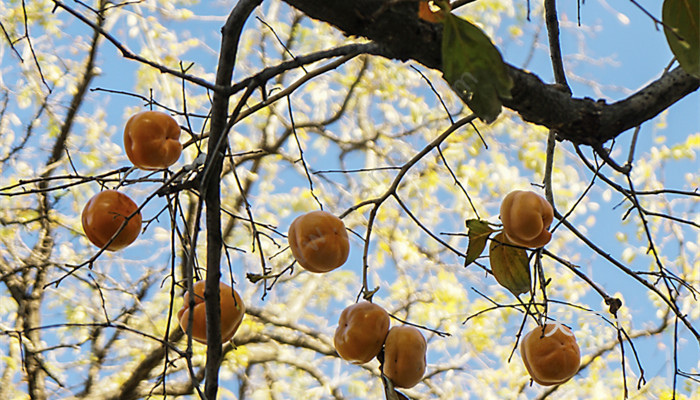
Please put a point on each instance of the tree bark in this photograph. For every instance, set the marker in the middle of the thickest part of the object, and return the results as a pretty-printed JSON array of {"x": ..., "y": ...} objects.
[
  {"x": 211, "y": 183},
  {"x": 395, "y": 24}
]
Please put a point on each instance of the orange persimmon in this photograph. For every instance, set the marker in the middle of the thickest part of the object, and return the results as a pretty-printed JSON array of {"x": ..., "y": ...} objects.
[
  {"x": 361, "y": 331},
  {"x": 431, "y": 12},
  {"x": 232, "y": 311},
  {"x": 404, "y": 356},
  {"x": 318, "y": 241},
  {"x": 526, "y": 216},
  {"x": 104, "y": 214},
  {"x": 152, "y": 140},
  {"x": 551, "y": 355}
]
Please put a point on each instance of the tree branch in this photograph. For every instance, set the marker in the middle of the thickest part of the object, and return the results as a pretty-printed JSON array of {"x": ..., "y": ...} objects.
[
  {"x": 141, "y": 372},
  {"x": 396, "y": 26},
  {"x": 211, "y": 186}
]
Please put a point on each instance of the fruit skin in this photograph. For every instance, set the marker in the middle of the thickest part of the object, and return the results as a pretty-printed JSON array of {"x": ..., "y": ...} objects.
[
  {"x": 551, "y": 359},
  {"x": 104, "y": 214},
  {"x": 232, "y": 311},
  {"x": 151, "y": 140},
  {"x": 361, "y": 331},
  {"x": 404, "y": 356},
  {"x": 526, "y": 216},
  {"x": 318, "y": 241}
]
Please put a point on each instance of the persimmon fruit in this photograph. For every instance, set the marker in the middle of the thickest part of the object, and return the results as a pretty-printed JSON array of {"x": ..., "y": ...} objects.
[
  {"x": 430, "y": 12},
  {"x": 404, "y": 356},
  {"x": 232, "y": 311},
  {"x": 551, "y": 355},
  {"x": 152, "y": 140},
  {"x": 362, "y": 328},
  {"x": 526, "y": 216},
  {"x": 103, "y": 216},
  {"x": 318, "y": 241}
]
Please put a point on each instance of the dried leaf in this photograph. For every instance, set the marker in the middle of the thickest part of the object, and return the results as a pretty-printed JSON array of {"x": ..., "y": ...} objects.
[
  {"x": 509, "y": 265},
  {"x": 479, "y": 232}
]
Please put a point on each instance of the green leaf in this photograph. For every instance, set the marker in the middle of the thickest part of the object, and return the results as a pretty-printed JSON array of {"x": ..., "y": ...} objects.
[
  {"x": 680, "y": 18},
  {"x": 509, "y": 265},
  {"x": 474, "y": 68},
  {"x": 479, "y": 232}
]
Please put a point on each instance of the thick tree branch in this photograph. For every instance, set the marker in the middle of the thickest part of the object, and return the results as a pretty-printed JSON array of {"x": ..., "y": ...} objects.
[
  {"x": 210, "y": 188},
  {"x": 589, "y": 122},
  {"x": 395, "y": 25}
]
